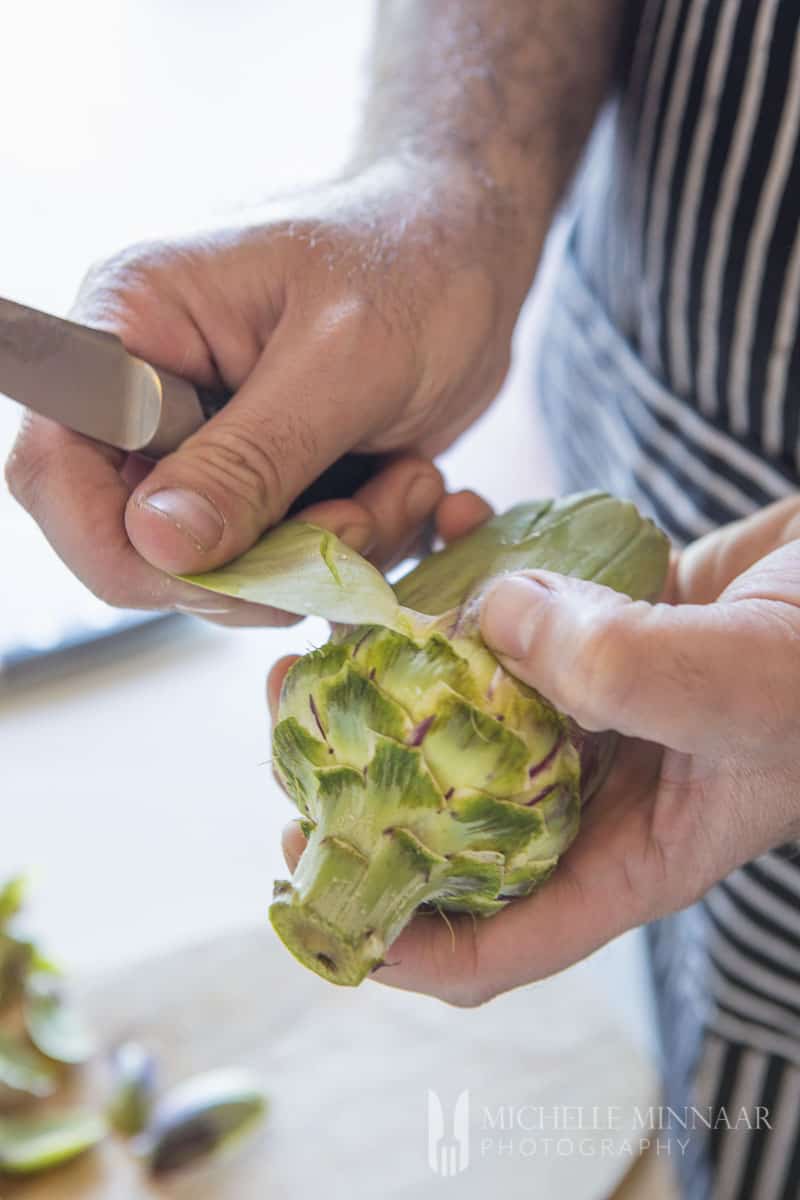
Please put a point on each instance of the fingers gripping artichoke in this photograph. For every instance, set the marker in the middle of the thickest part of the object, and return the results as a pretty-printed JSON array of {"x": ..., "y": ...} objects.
[{"x": 424, "y": 772}]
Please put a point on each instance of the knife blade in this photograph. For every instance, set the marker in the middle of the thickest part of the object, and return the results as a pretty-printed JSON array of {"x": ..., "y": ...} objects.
[{"x": 85, "y": 379}]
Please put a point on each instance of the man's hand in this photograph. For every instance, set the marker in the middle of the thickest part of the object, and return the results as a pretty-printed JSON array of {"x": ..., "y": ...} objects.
[
  {"x": 298, "y": 317},
  {"x": 372, "y": 314},
  {"x": 704, "y": 686}
]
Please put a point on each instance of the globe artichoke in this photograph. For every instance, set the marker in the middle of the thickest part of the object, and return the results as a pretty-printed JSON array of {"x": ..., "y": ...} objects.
[{"x": 425, "y": 774}]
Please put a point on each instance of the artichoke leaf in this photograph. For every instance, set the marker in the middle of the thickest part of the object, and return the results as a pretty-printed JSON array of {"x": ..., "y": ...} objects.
[
  {"x": 203, "y": 1116},
  {"x": 23, "y": 1071},
  {"x": 306, "y": 570},
  {"x": 443, "y": 580},
  {"x": 588, "y": 535},
  {"x": 134, "y": 1074},
  {"x": 16, "y": 959},
  {"x": 54, "y": 1025},
  {"x": 32, "y": 1144},
  {"x": 12, "y": 898}
]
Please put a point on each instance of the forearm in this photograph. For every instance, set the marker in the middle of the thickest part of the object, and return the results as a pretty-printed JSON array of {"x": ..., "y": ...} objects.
[{"x": 502, "y": 93}]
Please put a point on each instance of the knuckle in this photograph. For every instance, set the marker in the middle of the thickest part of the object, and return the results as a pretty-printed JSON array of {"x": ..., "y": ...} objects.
[
  {"x": 601, "y": 679},
  {"x": 243, "y": 465},
  {"x": 351, "y": 322},
  {"x": 344, "y": 312},
  {"x": 134, "y": 266},
  {"x": 348, "y": 316},
  {"x": 119, "y": 287}
]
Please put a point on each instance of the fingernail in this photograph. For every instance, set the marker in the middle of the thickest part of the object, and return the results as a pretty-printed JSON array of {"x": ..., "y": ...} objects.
[
  {"x": 357, "y": 537},
  {"x": 423, "y": 494},
  {"x": 192, "y": 513},
  {"x": 511, "y": 615}
]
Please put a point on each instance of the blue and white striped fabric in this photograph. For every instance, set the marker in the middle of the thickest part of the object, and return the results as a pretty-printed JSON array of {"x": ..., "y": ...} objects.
[{"x": 669, "y": 372}]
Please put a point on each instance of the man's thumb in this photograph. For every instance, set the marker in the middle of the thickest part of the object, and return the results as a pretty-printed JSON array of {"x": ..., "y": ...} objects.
[
  {"x": 213, "y": 498},
  {"x": 668, "y": 674},
  {"x": 552, "y": 632},
  {"x": 204, "y": 504}
]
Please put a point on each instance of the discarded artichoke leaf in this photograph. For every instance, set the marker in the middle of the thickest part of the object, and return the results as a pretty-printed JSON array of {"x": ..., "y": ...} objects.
[
  {"x": 306, "y": 570},
  {"x": 54, "y": 1025},
  {"x": 23, "y": 1071},
  {"x": 12, "y": 898},
  {"x": 42, "y": 965},
  {"x": 16, "y": 959},
  {"x": 32, "y": 1144},
  {"x": 133, "y": 1088},
  {"x": 204, "y": 1116}
]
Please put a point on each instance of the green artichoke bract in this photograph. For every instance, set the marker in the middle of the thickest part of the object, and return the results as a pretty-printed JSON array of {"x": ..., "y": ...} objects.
[{"x": 424, "y": 772}]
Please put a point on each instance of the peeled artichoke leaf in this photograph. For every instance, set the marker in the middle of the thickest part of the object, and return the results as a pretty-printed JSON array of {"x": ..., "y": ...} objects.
[
  {"x": 203, "y": 1116},
  {"x": 22, "y": 1070},
  {"x": 306, "y": 570},
  {"x": 134, "y": 1076},
  {"x": 16, "y": 959},
  {"x": 54, "y": 1025},
  {"x": 32, "y": 1144}
]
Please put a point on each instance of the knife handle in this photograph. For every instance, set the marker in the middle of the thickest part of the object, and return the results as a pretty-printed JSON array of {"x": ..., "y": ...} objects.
[{"x": 339, "y": 481}]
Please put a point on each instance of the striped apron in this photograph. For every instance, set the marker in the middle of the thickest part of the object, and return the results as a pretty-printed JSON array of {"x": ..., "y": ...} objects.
[{"x": 669, "y": 372}]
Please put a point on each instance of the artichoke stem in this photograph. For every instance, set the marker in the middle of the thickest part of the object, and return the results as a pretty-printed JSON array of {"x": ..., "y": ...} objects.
[{"x": 365, "y": 901}]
